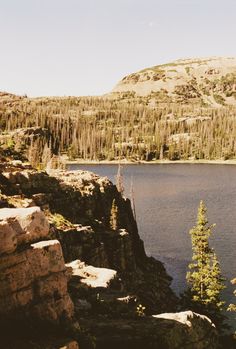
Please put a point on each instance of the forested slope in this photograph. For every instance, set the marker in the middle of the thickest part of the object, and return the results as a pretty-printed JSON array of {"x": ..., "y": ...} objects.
[
  {"x": 181, "y": 110},
  {"x": 97, "y": 128}
]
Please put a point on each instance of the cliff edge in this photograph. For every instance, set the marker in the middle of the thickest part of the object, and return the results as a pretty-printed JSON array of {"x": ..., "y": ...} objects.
[{"x": 69, "y": 275}]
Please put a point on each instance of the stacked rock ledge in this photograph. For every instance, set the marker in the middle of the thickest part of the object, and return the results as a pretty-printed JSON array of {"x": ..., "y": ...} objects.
[{"x": 33, "y": 275}]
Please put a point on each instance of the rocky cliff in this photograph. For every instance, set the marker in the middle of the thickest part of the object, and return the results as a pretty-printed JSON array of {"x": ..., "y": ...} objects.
[
  {"x": 211, "y": 81},
  {"x": 79, "y": 268},
  {"x": 33, "y": 274},
  {"x": 84, "y": 200}
]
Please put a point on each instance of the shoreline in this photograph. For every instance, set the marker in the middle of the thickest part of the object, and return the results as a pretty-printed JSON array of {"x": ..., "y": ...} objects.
[{"x": 154, "y": 162}]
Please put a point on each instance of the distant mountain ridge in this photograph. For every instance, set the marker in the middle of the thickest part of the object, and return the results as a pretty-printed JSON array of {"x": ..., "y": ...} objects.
[{"x": 211, "y": 81}]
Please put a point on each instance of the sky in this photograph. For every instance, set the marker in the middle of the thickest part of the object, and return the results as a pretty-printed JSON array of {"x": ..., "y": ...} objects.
[{"x": 84, "y": 47}]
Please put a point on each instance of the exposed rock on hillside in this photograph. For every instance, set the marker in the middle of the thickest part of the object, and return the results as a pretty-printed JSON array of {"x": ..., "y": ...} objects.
[
  {"x": 30, "y": 143},
  {"x": 25, "y": 135},
  {"x": 8, "y": 98},
  {"x": 211, "y": 81}
]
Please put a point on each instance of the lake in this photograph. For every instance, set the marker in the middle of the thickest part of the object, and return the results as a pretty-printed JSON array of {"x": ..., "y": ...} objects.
[{"x": 167, "y": 198}]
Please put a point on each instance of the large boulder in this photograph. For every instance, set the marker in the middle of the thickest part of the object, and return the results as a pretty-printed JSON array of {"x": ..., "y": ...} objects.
[
  {"x": 199, "y": 331},
  {"x": 186, "y": 330}
]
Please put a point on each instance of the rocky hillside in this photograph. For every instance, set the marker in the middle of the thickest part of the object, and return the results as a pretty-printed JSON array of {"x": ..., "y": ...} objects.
[
  {"x": 211, "y": 81},
  {"x": 68, "y": 275}
]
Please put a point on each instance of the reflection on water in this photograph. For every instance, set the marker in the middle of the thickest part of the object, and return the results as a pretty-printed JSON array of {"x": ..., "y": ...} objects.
[{"x": 167, "y": 198}]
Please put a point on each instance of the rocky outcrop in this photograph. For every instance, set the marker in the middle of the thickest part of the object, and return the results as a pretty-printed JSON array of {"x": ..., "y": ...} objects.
[
  {"x": 209, "y": 80},
  {"x": 9, "y": 98},
  {"x": 186, "y": 330},
  {"x": 85, "y": 201},
  {"x": 26, "y": 135},
  {"x": 33, "y": 274},
  {"x": 106, "y": 275},
  {"x": 29, "y": 143}
]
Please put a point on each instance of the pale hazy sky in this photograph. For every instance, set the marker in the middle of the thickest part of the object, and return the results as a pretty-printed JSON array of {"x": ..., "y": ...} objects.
[{"x": 83, "y": 47}]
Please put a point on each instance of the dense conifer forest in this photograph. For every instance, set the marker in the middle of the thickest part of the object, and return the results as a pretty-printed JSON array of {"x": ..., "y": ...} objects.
[{"x": 136, "y": 129}]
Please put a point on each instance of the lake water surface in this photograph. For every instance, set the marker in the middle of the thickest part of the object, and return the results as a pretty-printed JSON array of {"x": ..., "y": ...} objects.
[{"x": 167, "y": 198}]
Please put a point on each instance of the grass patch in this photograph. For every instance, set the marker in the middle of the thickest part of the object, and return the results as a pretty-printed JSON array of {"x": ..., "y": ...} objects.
[{"x": 59, "y": 221}]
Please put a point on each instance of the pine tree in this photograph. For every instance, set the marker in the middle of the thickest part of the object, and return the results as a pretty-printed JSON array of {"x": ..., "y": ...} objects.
[
  {"x": 114, "y": 216},
  {"x": 216, "y": 285},
  {"x": 204, "y": 275}
]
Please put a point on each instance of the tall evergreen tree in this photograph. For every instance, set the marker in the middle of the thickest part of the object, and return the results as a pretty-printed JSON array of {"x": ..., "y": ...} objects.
[
  {"x": 114, "y": 216},
  {"x": 204, "y": 276}
]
